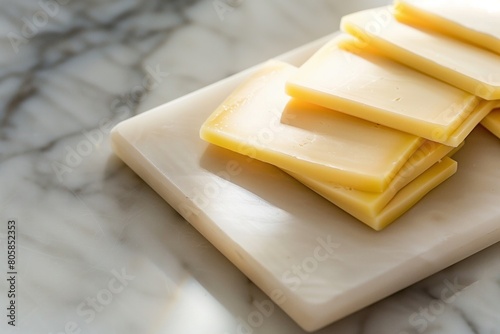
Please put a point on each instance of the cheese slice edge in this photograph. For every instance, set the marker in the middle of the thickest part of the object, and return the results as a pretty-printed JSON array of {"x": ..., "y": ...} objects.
[
  {"x": 403, "y": 201},
  {"x": 427, "y": 14},
  {"x": 458, "y": 63},
  {"x": 492, "y": 122},
  {"x": 353, "y": 153},
  {"x": 373, "y": 203},
  {"x": 382, "y": 91}
]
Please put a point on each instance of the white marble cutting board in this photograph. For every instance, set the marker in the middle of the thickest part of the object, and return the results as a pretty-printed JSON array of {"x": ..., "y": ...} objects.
[{"x": 316, "y": 262}]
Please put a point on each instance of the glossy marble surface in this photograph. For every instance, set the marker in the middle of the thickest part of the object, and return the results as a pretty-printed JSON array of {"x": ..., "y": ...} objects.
[{"x": 98, "y": 250}]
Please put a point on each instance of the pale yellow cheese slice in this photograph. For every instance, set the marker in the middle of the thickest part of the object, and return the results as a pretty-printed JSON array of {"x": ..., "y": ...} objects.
[
  {"x": 492, "y": 122},
  {"x": 344, "y": 150},
  {"x": 372, "y": 203},
  {"x": 476, "y": 21},
  {"x": 365, "y": 84},
  {"x": 456, "y": 62},
  {"x": 406, "y": 198},
  {"x": 482, "y": 110}
]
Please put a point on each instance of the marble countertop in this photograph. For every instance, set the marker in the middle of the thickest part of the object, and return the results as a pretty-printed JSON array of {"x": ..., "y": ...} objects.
[{"x": 98, "y": 251}]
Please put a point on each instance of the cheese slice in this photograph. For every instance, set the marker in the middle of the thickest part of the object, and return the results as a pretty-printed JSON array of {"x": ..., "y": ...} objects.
[
  {"x": 475, "y": 21},
  {"x": 404, "y": 199},
  {"x": 456, "y": 62},
  {"x": 335, "y": 147},
  {"x": 482, "y": 111},
  {"x": 492, "y": 122},
  {"x": 372, "y": 203},
  {"x": 361, "y": 82}
]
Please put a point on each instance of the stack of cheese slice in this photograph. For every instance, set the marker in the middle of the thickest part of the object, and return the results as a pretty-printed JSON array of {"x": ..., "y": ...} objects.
[
  {"x": 362, "y": 123},
  {"x": 474, "y": 23},
  {"x": 472, "y": 68}
]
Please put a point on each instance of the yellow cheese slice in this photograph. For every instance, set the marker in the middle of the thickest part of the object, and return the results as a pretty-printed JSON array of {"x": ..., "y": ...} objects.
[
  {"x": 476, "y": 21},
  {"x": 341, "y": 149},
  {"x": 373, "y": 203},
  {"x": 365, "y": 84},
  {"x": 456, "y": 62},
  {"x": 492, "y": 122},
  {"x": 470, "y": 123},
  {"x": 406, "y": 198}
]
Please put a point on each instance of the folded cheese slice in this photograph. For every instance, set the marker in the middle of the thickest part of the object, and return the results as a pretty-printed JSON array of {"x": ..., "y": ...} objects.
[
  {"x": 492, "y": 122},
  {"x": 476, "y": 21},
  {"x": 403, "y": 200},
  {"x": 359, "y": 81},
  {"x": 338, "y": 148},
  {"x": 456, "y": 62}
]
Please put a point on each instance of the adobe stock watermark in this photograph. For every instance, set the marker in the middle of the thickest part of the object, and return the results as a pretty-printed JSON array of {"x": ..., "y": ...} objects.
[
  {"x": 300, "y": 272},
  {"x": 406, "y": 173},
  {"x": 421, "y": 320},
  {"x": 256, "y": 318},
  {"x": 381, "y": 20},
  {"x": 225, "y": 7},
  {"x": 202, "y": 196},
  {"x": 121, "y": 107},
  {"x": 91, "y": 306},
  {"x": 31, "y": 26},
  {"x": 458, "y": 112},
  {"x": 486, "y": 85},
  {"x": 292, "y": 278},
  {"x": 454, "y": 113}
]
